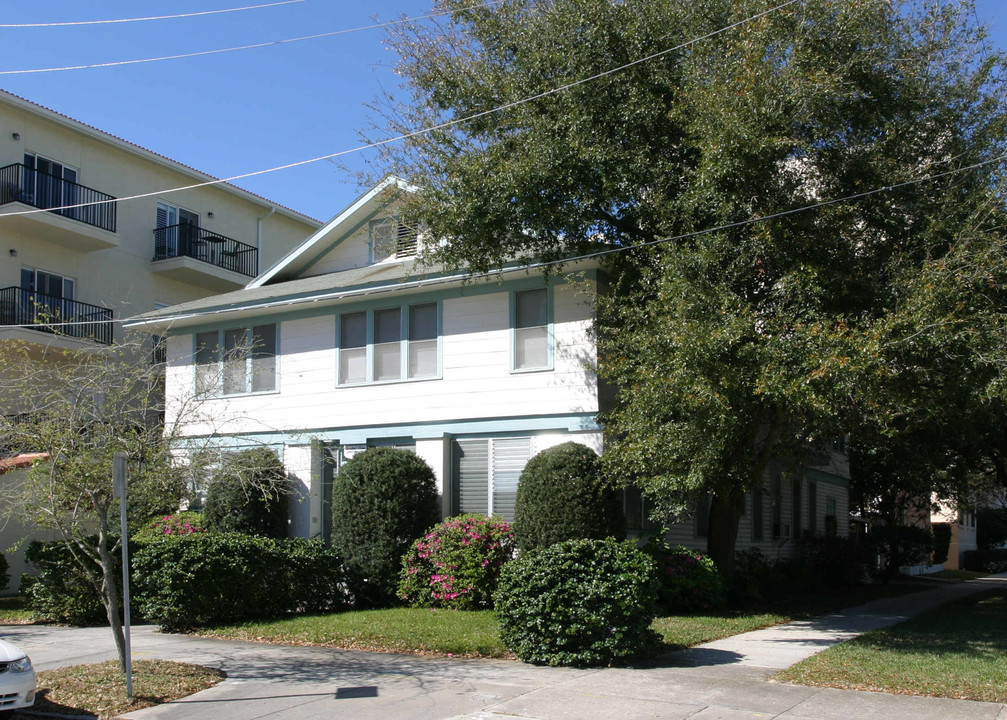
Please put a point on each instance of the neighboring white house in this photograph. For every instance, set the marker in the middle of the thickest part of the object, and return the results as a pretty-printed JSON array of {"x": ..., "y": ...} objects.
[{"x": 355, "y": 344}]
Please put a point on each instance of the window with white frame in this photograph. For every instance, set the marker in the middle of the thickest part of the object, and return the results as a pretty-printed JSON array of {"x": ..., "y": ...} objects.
[
  {"x": 47, "y": 283},
  {"x": 531, "y": 336},
  {"x": 486, "y": 474},
  {"x": 236, "y": 361},
  {"x": 389, "y": 344},
  {"x": 390, "y": 238}
]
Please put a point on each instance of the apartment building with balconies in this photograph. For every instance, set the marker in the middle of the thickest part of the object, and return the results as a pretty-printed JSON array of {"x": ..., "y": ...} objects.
[{"x": 75, "y": 255}]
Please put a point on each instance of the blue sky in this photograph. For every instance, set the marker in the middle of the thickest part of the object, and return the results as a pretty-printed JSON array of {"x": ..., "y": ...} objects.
[{"x": 237, "y": 112}]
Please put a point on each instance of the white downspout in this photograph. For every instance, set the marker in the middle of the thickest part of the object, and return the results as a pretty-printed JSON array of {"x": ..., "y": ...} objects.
[{"x": 258, "y": 238}]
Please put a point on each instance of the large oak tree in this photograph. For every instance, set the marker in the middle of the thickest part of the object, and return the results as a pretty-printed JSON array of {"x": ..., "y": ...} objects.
[{"x": 588, "y": 124}]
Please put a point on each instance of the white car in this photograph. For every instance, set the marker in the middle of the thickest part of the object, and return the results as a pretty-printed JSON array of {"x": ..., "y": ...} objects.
[{"x": 17, "y": 680}]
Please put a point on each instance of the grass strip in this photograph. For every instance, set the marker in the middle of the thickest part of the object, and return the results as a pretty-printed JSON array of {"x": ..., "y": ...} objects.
[
  {"x": 100, "y": 689},
  {"x": 682, "y": 631},
  {"x": 417, "y": 631},
  {"x": 454, "y": 633},
  {"x": 958, "y": 651},
  {"x": 14, "y": 611}
]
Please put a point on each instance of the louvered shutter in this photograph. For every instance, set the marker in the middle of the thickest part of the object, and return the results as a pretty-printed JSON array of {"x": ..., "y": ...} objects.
[
  {"x": 510, "y": 455},
  {"x": 472, "y": 476}
]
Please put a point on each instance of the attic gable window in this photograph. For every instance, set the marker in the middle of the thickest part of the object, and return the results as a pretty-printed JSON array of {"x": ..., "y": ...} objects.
[{"x": 392, "y": 239}]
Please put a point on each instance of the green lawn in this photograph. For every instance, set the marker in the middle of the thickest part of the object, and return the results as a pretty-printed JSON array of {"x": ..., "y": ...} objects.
[
  {"x": 456, "y": 633},
  {"x": 14, "y": 612},
  {"x": 681, "y": 631},
  {"x": 957, "y": 651},
  {"x": 474, "y": 634},
  {"x": 406, "y": 630}
]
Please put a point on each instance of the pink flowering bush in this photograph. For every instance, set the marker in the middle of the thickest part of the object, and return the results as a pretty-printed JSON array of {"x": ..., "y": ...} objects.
[
  {"x": 457, "y": 564},
  {"x": 182, "y": 523},
  {"x": 689, "y": 581}
]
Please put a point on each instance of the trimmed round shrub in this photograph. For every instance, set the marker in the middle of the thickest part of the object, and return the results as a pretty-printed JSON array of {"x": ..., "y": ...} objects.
[
  {"x": 382, "y": 500},
  {"x": 190, "y": 581},
  {"x": 248, "y": 494},
  {"x": 561, "y": 497},
  {"x": 688, "y": 581},
  {"x": 580, "y": 602},
  {"x": 181, "y": 523},
  {"x": 457, "y": 564}
]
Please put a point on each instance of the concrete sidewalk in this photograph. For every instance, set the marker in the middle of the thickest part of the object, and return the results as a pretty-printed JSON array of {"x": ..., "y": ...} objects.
[{"x": 723, "y": 680}]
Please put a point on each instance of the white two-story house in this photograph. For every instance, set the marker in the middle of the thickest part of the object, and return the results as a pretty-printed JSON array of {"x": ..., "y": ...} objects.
[{"x": 350, "y": 342}]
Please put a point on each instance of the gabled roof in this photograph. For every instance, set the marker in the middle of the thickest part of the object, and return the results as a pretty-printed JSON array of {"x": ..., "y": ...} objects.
[{"x": 302, "y": 256}]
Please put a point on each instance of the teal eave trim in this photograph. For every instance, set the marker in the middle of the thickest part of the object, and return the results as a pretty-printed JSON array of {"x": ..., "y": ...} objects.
[
  {"x": 489, "y": 427},
  {"x": 821, "y": 476},
  {"x": 352, "y": 304}
]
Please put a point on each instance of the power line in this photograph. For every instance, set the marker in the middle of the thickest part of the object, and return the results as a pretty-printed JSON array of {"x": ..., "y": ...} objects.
[
  {"x": 218, "y": 51},
  {"x": 73, "y": 23},
  {"x": 416, "y": 133},
  {"x": 577, "y": 258}
]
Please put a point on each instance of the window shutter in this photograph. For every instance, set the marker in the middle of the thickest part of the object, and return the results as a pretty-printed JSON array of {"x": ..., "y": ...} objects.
[
  {"x": 472, "y": 474},
  {"x": 510, "y": 455}
]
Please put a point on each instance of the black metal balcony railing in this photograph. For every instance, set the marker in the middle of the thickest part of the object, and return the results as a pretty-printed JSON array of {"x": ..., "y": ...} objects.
[
  {"x": 56, "y": 315},
  {"x": 185, "y": 240},
  {"x": 19, "y": 183}
]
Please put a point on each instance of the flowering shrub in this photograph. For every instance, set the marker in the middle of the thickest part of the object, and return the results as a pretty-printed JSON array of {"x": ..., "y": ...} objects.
[
  {"x": 183, "y": 523},
  {"x": 689, "y": 581},
  {"x": 579, "y": 602},
  {"x": 457, "y": 564}
]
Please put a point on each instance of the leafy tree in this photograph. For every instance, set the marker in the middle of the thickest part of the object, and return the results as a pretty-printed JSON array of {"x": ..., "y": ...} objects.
[
  {"x": 79, "y": 408},
  {"x": 738, "y": 342}
]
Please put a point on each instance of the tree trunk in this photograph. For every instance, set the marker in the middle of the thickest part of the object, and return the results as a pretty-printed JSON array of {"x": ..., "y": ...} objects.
[
  {"x": 110, "y": 589},
  {"x": 725, "y": 512}
]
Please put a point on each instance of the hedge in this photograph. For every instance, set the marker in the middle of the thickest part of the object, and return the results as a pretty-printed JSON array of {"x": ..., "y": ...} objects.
[{"x": 202, "y": 579}]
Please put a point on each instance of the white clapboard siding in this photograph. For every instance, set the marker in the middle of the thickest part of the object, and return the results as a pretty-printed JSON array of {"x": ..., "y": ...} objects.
[
  {"x": 476, "y": 379},
  {"x": 353, "y": 252}
]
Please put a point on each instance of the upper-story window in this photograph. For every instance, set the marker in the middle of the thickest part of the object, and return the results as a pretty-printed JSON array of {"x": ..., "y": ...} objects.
[
  {"x": 236, "y": 361},
  {"x": 47, "y": 283},
  {"x": 389, "y": 344},
  {"x": 390, "y": 238},
  {"x": 49, "y": 184},
  {"x": 176, "y": 229},
  {"x": 531, "y": 336}
]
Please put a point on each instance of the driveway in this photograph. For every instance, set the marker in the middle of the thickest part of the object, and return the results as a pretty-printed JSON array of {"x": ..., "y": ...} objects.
[{"x": 724, "y": 680}]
